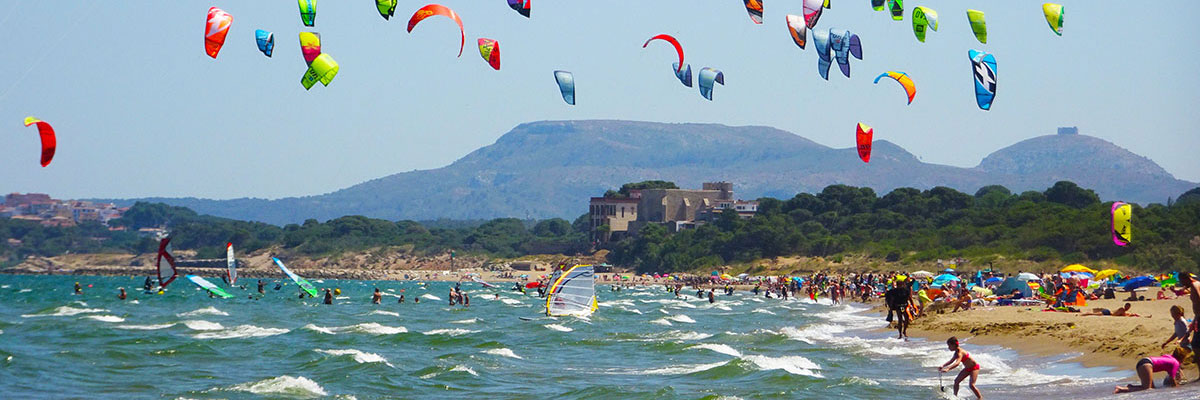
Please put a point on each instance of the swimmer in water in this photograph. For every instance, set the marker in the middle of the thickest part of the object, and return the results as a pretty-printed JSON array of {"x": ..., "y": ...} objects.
[
  {"x": 328, "y": 296},
  {"x": 377, "y": 297},
  {"x": 78, "y": 289},
  {"x": 401, "y": 301},
  {"x": 122, "y": 294},
  {"x": 260, "y": 287}
]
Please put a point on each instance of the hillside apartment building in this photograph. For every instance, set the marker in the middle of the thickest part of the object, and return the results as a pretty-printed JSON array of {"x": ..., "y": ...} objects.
[{"x": 677, "y": 209}]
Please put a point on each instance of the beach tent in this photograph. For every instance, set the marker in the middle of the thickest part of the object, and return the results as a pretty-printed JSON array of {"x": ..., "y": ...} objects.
[
  {"x": 1141, "y": 281},
  {"x": 1025, "y": 276},
  {"x": 922, "y": 274},
  {"x": 1009, "y": 284},
  {"x": 1105, "y": 274},
  {"x": 1078, "y": 268}
]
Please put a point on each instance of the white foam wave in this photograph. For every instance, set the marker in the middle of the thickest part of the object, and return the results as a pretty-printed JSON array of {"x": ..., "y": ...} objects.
[
  {"x": 682, "y": 369},
  {"x": 24, "y": 290},
  {"x": 792, "y": 364},
  {"x": 466, "y": 321},
  {"x": 558, "y": 327},
  {"x": 382, "y": 312},
  {"x": 105, "y": 318},
  {"x": 202, "y": 325},
  {"x": 661, "y": 321},
  {"x": 66, "y": 311},
  {"x": 630, "y": 310},
  {"x": 359, "y": 356},
  {"x": 682, "y": 318},
  {"x": 369, "y": 328},
  {"x": 450, "y": 332},
  {"x": 511, "y": 302},
  {"x": 719, "y": 348},
  {"x": 428, "y": 296},
  {"x": 146, "y": 327},
  {"x": 283, "y": 385},
  {"x": 241, "y": 331},
  {"x": 763, "y": 311},
  {"x": 460, "y": 368},
  {"x": 503, "y": 353},
  {"x": 203, "y": 311}
]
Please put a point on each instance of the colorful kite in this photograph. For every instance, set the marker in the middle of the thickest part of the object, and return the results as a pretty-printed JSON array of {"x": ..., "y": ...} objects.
[
  {"x": 520, "y": 6},
  {"x": 266, "y": 41},
  {"x": 877, "y": 5},
  {"x": 322, "y": 69},
  {"x": 798, "y": 29},
  {"x": 863, "y": 137},
  {"x": 812, "y": 12},
  {"x": 983, "y": 66},
  {"x": 844, "y": 45},
  {"x": 923, "y": 18},
  {"x": 824, "y": 56},
  {"x": 909, "y": 87},
  {"x": 49, "y": 143},
  {"x": 669, "y": 39},
  {"x": 683, "y": 74},
  {"x": 896, "y": 8},
  {"x": 755, "y": 9},
  {"x": 978, "y": 25},
  {"x": 216, "y": 27},
  {"x": 1054, "y": 16},
  {"x": 310, "y": 46},
  {"x": 490, "y": 50},
  {"x": 438, "y": 9},
  {"x": 387, "y": 8},
  {"x": 1122, "y": 215},
  {"x": 308, "y": 12}
]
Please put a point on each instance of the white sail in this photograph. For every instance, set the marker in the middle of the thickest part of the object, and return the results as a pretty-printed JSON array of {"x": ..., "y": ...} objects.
[
  {"x": 573, "y": 293},
  {"x": 231, "y": 263}
]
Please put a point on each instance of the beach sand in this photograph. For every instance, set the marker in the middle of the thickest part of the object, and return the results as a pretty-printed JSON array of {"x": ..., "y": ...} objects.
[{"x": 1116, "y": 342}]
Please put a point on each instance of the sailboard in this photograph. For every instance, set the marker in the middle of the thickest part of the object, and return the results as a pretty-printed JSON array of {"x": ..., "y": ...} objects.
[
  {"x": 481, "y": 282},
  {"x": 308, "y": 287},
  {"x": 209, "y": 286},
  {"x": 573, "y": 293},
  {"x": 166, "y": 274},
  {"x": 230, "y": 263}
]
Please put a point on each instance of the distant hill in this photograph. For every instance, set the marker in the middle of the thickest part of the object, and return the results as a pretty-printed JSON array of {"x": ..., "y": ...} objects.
[{"x": 549, "y": 169}]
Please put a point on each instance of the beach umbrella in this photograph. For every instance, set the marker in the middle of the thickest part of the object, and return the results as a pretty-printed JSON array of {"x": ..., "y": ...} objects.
[
  {"x": 1025, "y": 276},
  {"x": 1077, "y": 268},
  {"x": 921, "y": 274},
  {"x": 945, "y": 278},
  {"x": 1105, "y": 274},
  {"x": 1171, "y": 281},
  {"x": 743, "y": 275},
  {"x": 1011, "y": 284},
  {"x": 993, "y": 281},
  {"x": 1141, "y": 281},
  {"x": 715, "y": 273}
]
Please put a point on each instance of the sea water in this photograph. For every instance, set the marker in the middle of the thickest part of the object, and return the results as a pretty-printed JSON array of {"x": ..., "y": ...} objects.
[{"x": 641, "y": 343}]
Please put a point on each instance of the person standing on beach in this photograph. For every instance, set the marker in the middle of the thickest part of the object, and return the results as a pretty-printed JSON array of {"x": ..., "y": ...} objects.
[
  {"x": 898, "y": 299},
  {"x": 1193, "y": 286},
  {"x": 970, "y": 367}
]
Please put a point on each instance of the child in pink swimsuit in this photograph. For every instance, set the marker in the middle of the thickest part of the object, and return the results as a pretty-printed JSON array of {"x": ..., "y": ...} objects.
[
  {"x": 1146, "y": 368},
  {"x": 970, "y": 367}
]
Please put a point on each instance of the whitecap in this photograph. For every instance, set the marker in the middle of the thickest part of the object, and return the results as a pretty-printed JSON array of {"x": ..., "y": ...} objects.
[
  {"x": 450, "y": 332},
  {"x": 202, "y": 325},
  {"x": 682, "y": 318},
  {"x": 763, "y": 311},
  {"x": 558, "y": 327},
  {"x": 428, "y": 296},
  {"x": 319, "y": 329},
  {"x": 630, "y": 310},
  {"x": 106, "y": 318},
  {"x": 146, "y": 327},
  {"x": 682, "y": 369},
  {"x": 65, "y": 311},
  {"x": 359, "y": 356},
  {"x": 511, "y": 302},
  {"x": 283, "y": 385},
  {"x": 369, "y": 328},
  {"x": 203, "y": 311},
  {"x": 503, "y": 352},
  {"x": 466, "y": 321},
  {"x": 661, "y": 321},
  {"x": 719, "y": 348},
  {"x": 24, "y": 290},
  {"x": 382, "y": 312},
  {"x": 792, "y": 364},
  {"x": 460, "y": 368},
  {"x": 135, "y": 302},
  {"x": 241, "y": 331}
]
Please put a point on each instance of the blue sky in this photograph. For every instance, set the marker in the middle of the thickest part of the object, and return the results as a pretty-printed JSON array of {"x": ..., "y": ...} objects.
[{"x": 140, "y": 110}]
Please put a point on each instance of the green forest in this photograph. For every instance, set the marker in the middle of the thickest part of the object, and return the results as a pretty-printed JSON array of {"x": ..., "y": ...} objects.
[{"x": 1064, "y": 222}]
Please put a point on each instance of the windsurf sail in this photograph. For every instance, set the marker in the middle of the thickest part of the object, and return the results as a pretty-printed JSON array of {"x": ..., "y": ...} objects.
[
  {"x": 231, "y": 263},
  {"x": 201, "y": 282},
  {"x": 481, "y": 282},
  {"x": 308, "y": 287},
  {"x": 573, "y": 293},
  {"x": 165, "y": 274}
]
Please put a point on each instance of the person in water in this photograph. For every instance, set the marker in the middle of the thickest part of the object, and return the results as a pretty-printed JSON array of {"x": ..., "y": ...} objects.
[
  {"x": 1146, "y": 367},
  {"x": 970, "y": 367},
  {"x": 260, "y": 287},
  {"x": 401, "y": 301},
  {"x": 148, "y": 285},
  {"x": 328, "y": 296},
  {"x": 122, "y": 294},
  {"x": 466, "y": 300},
  {"x": 711, "y": 298},
  {"x": 416, "y": 300},
  {"x": 377, "y": 297},
  {"x": 78, "y": 289}
]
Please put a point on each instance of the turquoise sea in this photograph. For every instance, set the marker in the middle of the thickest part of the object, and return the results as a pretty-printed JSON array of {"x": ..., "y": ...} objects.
[{"x": 642, "y": 343}]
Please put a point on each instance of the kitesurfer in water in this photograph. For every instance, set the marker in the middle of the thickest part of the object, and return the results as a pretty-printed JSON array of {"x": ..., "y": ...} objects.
[
  {"x": 377, "y": 297},
  {"x": 78, "y": 289},
  {"x": 328, "y": 296}
]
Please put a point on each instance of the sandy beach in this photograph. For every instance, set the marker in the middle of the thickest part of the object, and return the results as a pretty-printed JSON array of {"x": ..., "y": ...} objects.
[{"x": 1116, "y": 342}]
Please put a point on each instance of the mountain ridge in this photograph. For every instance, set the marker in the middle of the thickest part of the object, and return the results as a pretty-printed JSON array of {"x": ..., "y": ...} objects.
[{"x": 550, "y": 168}]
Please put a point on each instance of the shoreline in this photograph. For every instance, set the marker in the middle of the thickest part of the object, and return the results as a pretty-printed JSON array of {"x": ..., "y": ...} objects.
[{"x": 1098, "y": 341}]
